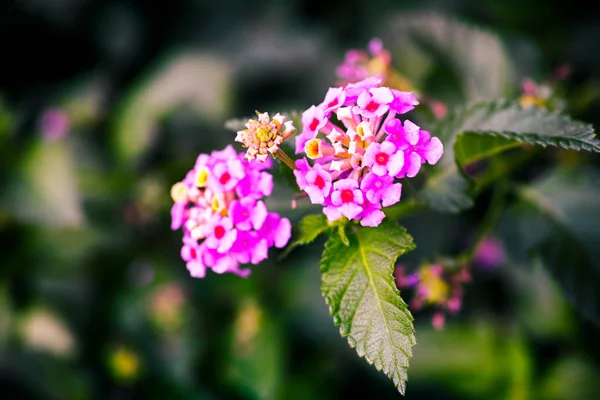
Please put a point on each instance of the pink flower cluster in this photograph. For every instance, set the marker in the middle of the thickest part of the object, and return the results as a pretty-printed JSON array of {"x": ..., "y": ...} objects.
[
  {"x": 359, "y": 65},
  {"x": 225, "y": 223},
  {"x": 359, "y": 148},
  {"x": 435, "y": 287}
]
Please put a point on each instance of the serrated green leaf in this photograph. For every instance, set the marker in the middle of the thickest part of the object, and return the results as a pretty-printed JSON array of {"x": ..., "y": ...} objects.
[
  {"x": 556, "y": 221},
  {"x": 361, "y": 292},
  {"x": 477, "y": 57},
  {"x": 489, "y": 128},
  {"x": 311, "y": 227}
]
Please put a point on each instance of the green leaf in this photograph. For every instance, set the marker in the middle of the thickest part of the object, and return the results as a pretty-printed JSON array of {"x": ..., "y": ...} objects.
[
  {"x": 487, "y": 129},
  {"x": 198, "y": 80},
  {"x": 477, "y": 57},
  {"x": 361, "y": 292},
  {"x": 255, "y": 356},
  {"x": 45, "y": 189},
  {"x": 556, "y": 220},
  {"x": 311, "y": 227},
  {"x": 341, "y": 228}
]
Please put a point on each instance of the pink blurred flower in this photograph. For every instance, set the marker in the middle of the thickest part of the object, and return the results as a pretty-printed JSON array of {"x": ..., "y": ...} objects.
[
  {"x": 54, "y": 124},
  {"x": 489, "y": 253}
]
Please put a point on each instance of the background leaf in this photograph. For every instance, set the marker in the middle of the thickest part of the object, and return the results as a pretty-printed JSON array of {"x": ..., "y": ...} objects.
[
  {"x": 477, "y": 57},
  {"x": 364, "y": 301},
  {"x": 556, "y": 221},
  {"x": 488, "y": 128},
  {"x": 200, "y": 81},
  {"x": 311, "y": 227}
]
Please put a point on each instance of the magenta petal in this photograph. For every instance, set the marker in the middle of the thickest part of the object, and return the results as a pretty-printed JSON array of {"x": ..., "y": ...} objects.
[
  {"x": 380, "y": 170},
  {"x": 414, "y": 165},
  {"x": 265, "y": 183},
  {"x": 227, "y": 241},
  {"x": 332, "y": 213},
  {"x": 373, "y": 218},
  {"x": 260, "y": 251},
  {"x": 223, "y": 264},
  {"x": 196, "y": 269},
  {"x": 259, "y": 214},
  {"x": 411, "y": 132},
  {"x": 283, "y": 233},
  {"x": 350, "y": 210},
  {"x": 382, "y": 95},
  {"x": 315, "y": 195},
  {"x": 396, "y": 163},
  {"x": 434, "y": 150},
  {"x": 336, "y": 198},
  {"x": 391, "y": 195}
]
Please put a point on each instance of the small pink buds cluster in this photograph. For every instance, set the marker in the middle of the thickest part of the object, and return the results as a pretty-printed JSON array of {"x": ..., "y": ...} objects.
[
  {"x": 263, "y": 136},
  {"x": 489, "y": 253},
  {"x": 435, "y": 287},
  {"x": 225, "y": 223},
  {"x": 359, "y": 65},
  {"x": 359, "y": 148}
]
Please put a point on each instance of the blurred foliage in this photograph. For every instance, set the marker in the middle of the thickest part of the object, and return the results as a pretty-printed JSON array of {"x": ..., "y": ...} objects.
[{"x": 94, "y": 299}]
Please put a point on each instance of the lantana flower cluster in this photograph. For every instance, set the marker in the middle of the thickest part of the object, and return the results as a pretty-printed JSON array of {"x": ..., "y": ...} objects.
[
  {"x": 359, "y": 65},
  {"x": 435, "y": 287},
  {"x": 224, "y": 221},
  {"x": 358, "y": 149}
]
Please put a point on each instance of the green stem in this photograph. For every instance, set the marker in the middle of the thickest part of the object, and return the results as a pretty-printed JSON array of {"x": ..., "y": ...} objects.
[{"x": 285, "y": 159}]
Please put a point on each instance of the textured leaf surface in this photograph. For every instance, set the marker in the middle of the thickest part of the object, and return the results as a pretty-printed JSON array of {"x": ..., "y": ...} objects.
[
  {"x": 557, "y": 220},
  {"x": 486, "y": 129},
  {"x": 361, "y": 292}
]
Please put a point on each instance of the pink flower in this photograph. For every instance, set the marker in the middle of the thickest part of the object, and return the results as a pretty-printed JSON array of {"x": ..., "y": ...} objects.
[
  {"x": 191, "y": 254},
  {"x": 263, "y": 136},
  {"x": 313, "y": 119},
  {"x": 403, "y": 101},
  {"x": 249, "y": 248},
  {"x": 374, "y": 103},
  {"x": 371, "y": 214},
  {"x": 357, "y": 149},
  {"x": 276, "y": 230},
  {"x": 418, "y": 146},
  {"x": 334, "y": 99},
  {"x": 359, "y": 65},
  {"x": 248, "y": 214},
  {"x": 383, "y": 159},
  {"x": 381, "y": 189},
  {"x": 489, "y": 253},
  {"x": 54, "y": 124},
  {"x": 438, "y": 321},
  {"x": 218, "y": 205},
  {"x": 219, "y": 233},
  {"x": 227, "y": 174},
  {"x": 318, "y": 184},
  {"x": 347, "y": 198}
]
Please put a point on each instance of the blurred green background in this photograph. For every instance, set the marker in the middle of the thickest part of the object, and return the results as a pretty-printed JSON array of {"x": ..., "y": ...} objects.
[{"x": 95, "y": 302}]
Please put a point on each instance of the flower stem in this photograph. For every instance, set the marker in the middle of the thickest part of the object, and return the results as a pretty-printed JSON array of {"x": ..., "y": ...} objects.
[{"x": 285, "y": 159}]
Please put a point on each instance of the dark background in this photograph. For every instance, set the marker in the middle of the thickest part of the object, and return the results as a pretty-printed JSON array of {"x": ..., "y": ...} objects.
[{"x": 85, "y": 245}]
